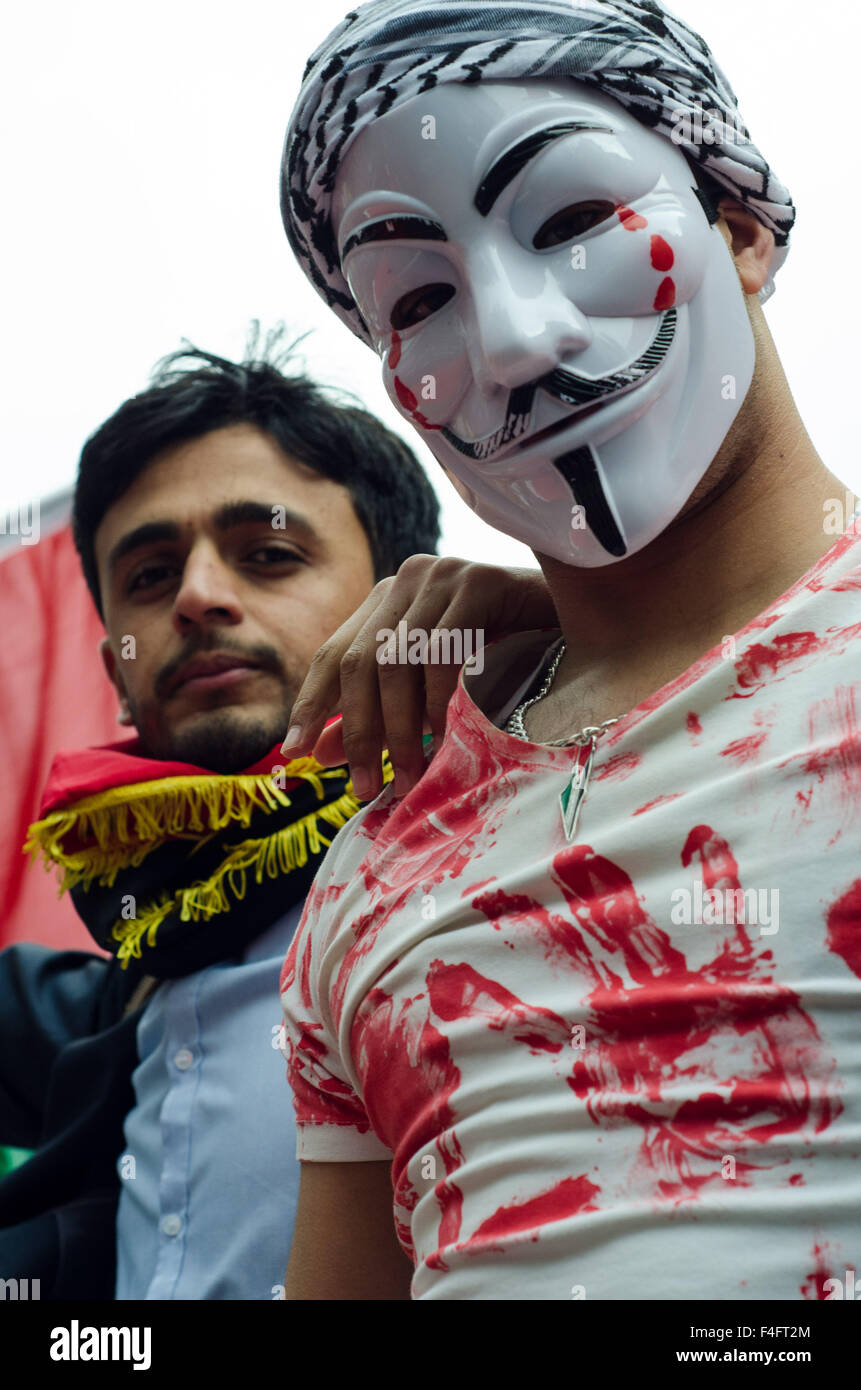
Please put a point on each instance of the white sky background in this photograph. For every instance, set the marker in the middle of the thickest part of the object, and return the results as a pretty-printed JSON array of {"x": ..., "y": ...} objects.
[{"x": 141, "y": 147}]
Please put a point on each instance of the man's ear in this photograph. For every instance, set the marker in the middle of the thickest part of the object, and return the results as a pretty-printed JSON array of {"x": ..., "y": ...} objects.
[
  {"x": 109, "y": 662},
  {"x": 750, "y": 243}
]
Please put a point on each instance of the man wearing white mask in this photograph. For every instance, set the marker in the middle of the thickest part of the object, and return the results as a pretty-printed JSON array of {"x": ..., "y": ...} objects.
[{"x": 575, "y": 1006}]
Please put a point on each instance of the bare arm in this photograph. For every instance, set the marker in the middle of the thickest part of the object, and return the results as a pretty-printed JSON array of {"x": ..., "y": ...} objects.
[{"x": 344, "y": 1242}]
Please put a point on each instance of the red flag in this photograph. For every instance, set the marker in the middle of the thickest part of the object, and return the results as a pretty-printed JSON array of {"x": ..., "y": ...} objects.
[{"x": 55, "y": 695}]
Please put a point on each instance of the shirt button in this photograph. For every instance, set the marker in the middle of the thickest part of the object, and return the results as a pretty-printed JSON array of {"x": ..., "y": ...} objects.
[
  {"x": 171, "y": 1225},
  {"x": 183, "y": 1059}
]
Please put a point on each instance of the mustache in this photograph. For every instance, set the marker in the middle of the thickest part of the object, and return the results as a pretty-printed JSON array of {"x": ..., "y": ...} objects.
[
  {"x": 570, "y": 389},
  {"x": 267, "y": 658}
]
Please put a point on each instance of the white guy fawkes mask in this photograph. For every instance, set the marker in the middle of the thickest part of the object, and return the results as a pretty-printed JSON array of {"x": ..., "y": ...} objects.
[{"x": 554, "y": 312}]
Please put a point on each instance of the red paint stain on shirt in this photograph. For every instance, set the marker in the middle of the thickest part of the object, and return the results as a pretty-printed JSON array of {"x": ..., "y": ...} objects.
[
  {"x": 482, "y": 883},
  {"x": 459, "y": 991},
  {"x": 844, "y": 928},
  {"x": 832, "y": 751},
  {"x": 693, "y": 725},
  {"x": 322, "y": 1100},
  {"x": 761, "y": 661},
  {"x": 813, "y": 1288},
  {"x": 654, "y": 1022},
  {"x": 617, "y": 768},
  {"x": 408, "y": 1081},
  {"x": 660, "y": 697},
  {"x": 662, "y": 254},
  {"x": 666, "y": 296},
  {"x": 366, "y": 929},
  {"x": 308, "y": 1043},
  {"x": 841, "y": 756},
  {"x": 745, "y": 750},
  {"x": 305, "y": 975},
  {"x": 657, "y": 801},
  {"x": 567, "y": 1198}
]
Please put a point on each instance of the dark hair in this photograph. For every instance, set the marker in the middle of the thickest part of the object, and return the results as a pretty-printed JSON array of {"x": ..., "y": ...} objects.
[
  {"x": 193, "y": 392},
  {"x": 708, "y": 190}
]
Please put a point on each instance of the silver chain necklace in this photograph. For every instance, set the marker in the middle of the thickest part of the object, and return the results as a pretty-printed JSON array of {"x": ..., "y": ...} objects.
[{"x": 572, "y": 797}]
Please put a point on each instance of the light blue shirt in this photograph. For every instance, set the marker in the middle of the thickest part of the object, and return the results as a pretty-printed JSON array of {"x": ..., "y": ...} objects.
[{"x": 209, "y": 1174}]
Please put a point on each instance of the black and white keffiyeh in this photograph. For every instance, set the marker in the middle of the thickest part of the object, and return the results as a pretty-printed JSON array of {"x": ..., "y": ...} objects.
[{"x": 388, "y": 51}]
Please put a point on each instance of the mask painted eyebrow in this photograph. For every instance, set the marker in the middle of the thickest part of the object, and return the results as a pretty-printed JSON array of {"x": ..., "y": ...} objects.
[
  {"x": 406, "y": 227},
  {"x": 509, "y": 165}
]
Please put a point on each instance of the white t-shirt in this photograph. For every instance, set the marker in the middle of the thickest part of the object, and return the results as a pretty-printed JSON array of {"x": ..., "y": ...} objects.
[{"x": 584, "y": 1090}]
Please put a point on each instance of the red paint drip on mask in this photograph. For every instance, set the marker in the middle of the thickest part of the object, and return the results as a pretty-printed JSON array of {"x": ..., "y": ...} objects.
[
  {"x": 409, "y": 401},
  {"x": 395, "y": 350},
  {"x": 662, "y": 254},
  {"x": 407, "y": 398},
  {"x": 693, "y": 725},
  {"x": 630, "y": 220},
  {"x": 666, "y": 296}
]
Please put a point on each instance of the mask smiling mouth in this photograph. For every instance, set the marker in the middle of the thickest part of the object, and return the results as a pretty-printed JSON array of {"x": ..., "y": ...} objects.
[
  {"x": 570, "y": 389},
  {"x": 573, "y": 417}
]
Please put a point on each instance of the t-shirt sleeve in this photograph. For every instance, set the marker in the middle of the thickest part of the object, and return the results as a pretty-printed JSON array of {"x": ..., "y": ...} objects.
[{"x": 332, "y": 1124}]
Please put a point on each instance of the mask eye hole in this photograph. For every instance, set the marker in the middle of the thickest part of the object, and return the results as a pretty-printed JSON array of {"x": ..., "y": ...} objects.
[
  {"x": 571, "y": 222},
  {"x": 419, "y": 304}
]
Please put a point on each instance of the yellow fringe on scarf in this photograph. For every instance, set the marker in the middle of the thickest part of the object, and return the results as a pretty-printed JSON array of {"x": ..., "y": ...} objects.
[
  {"x": 126, "y": 823},
  {"x": 276, "y": 854}
]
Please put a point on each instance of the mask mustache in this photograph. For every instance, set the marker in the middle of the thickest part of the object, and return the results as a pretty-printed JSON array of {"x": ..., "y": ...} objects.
[{"x": 570, "y": 389}]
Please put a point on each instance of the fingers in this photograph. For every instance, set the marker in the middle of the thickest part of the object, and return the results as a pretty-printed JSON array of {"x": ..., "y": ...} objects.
[
  {"x": 402, "y": 699},
  {"x": 320, "y": 694},
  {"x": 361, "y": 715},
  {"x": 440, "y": 684},
  {"x": 415, "y": 675},
  {"x": 329, "y": 748},
  {"x": 383, "y": 671}
]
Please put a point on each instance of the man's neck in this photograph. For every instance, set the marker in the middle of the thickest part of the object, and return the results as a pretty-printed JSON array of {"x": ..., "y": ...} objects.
[{"x": 632, "y": 626}]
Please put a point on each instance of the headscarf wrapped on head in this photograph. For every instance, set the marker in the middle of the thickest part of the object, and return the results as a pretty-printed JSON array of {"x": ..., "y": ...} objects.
[{"x": 388, "y": 51}]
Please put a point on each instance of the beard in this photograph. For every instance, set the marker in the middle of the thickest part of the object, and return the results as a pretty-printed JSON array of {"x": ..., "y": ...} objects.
[
  {"x": 225, "y": 740},
  {"x": 221, "y": 735}
]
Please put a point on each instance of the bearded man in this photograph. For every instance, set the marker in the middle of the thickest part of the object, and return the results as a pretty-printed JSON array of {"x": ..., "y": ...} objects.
[{"x": 228, "y": 519}]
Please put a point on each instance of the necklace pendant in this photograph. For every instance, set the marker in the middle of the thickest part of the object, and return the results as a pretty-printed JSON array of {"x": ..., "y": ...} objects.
[{"x": 571, "y": 799}]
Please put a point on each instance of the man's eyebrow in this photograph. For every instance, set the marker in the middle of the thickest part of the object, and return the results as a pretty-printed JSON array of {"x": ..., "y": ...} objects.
[
  {"x": 407, "y": 226},
  {"x": 246, "y": 513},
  {"x": 504, "y": 169},
  {"x": 232, "y": 514},
  {"x": 150, "y": 533}
]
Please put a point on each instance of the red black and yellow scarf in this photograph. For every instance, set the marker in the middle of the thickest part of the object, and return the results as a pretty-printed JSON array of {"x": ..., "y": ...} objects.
[{"x": 173, "y": 867}]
